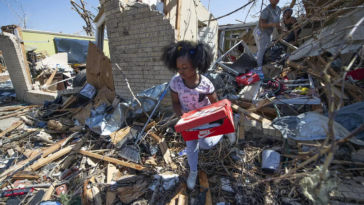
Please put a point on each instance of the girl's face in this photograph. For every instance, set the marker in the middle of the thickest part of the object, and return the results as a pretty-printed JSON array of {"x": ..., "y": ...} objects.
[{"x": 184, "y": 68}]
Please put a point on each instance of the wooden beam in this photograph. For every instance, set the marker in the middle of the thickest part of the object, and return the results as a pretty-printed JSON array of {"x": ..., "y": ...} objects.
[
  {"x": 48, "y": 193},
  {"x": 27, "y": 70},
  {"x": 50, "y": 79},
  {"x": 204, "y": 183},
  {"x": 178, "y": 19},
  {"x": 21, "y": 175},
  {"x": 181, "y": 189},
  {"x": 116, "y": 161},
  {"x": 11, "y": 128},
  {"x": 250, "y": 114},
  {"x": 110, "y": 196},
  {"x": 167, "y": 9},
  {"x": 183, "y": 199},
  {"x": 74, "y": 152},
  {"x": 43, "y": 161}
]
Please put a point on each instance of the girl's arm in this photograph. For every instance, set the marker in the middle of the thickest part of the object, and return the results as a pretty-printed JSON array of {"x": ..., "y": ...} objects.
[
  {"x": 213, "y": 98},
  {"x": 176, "y": 105}
]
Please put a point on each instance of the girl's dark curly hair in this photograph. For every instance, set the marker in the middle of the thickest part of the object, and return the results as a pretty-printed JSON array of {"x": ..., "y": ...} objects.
[{"x": 199, "y": 54}]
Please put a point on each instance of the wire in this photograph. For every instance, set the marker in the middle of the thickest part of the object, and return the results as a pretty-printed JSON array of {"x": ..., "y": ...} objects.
[{"x": 231, "y": 12}]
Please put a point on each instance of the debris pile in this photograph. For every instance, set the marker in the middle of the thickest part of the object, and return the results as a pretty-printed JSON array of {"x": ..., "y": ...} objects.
[{"x": 299, "y": 129}]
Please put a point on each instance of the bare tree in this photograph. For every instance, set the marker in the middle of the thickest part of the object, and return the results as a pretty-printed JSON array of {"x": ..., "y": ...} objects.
[
  {"x": 86, "y": 15},
  {"x": 16, "y": 8}
]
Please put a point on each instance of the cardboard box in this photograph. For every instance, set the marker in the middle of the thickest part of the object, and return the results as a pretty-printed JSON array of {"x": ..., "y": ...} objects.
[{"x": 220, "y": 111}]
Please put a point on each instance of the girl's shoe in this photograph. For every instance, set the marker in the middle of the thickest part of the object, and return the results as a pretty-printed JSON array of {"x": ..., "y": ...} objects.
[{"x": 191, "y": 181}]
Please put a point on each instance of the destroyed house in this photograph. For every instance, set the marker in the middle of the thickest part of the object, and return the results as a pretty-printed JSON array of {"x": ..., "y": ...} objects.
[{"x": 137, "y": 32}]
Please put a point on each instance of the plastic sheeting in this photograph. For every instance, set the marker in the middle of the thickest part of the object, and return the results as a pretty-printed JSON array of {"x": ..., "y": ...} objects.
[
  {"x": 309, "y": 126},
  {"x": 332, "y": 36},
  {"x": 104, "y": 124},
  {"x": 148, "y": 98},
  {"x": 351, "y": 117},
  {"x": 76, "y": 49}
]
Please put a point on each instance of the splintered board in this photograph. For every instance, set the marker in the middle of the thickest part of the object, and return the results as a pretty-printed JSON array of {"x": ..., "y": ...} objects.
[{"x": 98, "y": 68}]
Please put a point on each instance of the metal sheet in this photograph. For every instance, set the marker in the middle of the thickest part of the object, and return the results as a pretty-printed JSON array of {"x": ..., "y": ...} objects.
[
  {"x": 332, "y": 36},
  {"x": 76, "y": 49},
  {"x": 310, "y": 126}
]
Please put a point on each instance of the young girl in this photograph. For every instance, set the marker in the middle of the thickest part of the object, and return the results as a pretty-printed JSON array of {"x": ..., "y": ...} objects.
[{"x": 191, "y": 90}]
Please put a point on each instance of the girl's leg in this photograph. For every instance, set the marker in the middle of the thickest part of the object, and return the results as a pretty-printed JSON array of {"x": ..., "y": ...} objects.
[
  {"x": 209, "y": 142},
  {"x": 192, "y": 154}
]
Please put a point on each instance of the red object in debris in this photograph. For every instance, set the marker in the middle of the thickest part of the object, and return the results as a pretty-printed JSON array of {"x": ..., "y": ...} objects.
[
  {"x": 218, "y": 111},
  {"x": 249, "y": 80},
  {"x": 356, "y": 74},
  {"x": 242, "y": 77},
  {"x": 61, "y": 190},
  {"x": 16, "y": 192}
]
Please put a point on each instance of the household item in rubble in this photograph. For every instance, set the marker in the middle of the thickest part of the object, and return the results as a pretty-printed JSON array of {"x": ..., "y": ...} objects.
[
  {"x": 244, "y": 63},
  {"x": 131, "y": 152},
  {"x": 270, "y": 161},
  {"x": 247, "y": 79},
  {"x": 260, "y": 73},
  {"x": 274, "y": 53},
  {"x": 215, "y": 119}
]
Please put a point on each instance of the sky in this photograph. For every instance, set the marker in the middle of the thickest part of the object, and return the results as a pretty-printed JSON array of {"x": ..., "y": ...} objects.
[{"x": 57, "y": 15}]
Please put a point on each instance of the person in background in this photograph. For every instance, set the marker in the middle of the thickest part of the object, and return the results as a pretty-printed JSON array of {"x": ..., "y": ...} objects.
[
  {"x": 191, "y": 90},
  {"x": 269, "y": 18},
  {"x": 288, "y": 22}
]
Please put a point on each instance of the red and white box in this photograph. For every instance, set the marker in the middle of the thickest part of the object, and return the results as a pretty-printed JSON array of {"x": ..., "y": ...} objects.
[
  {"x": 220, "y": 111},
  {"x": 247, "y": 79}
]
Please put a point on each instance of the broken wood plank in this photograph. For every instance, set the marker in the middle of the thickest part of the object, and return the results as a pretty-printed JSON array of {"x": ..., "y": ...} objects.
[
  {"x": 11, "y": 128},
  {"x": 116, "y": 161},
  {"x": 204, "y": 183},
  {"x": 50, "y": 79},
  {"x": 130, "y": 193},
  {"x": 178, "y": 18},
  {"x": 150, "y": 125},
  {"x": 98, "y": 69},
  {"x": 54, "y": 147},
  {"x": 268, "y": 111},
  {"x": 73, "y": 154},
  {"x": 330, "y": 70},
  {"x": 119, "y": 135},
  {"x": 110, "y": 196},
  {"x": 183, "y": 199},
  {"x": 166, "y": 153},
  {"x": 14, "y": 114},
  {"x": 250, "y": 114},
  {"x": 47, "y": 196},
  {"x": 13, "y": 109},
  {"x": 241, "y": 127},
  {"x": 21, "y": 175},
  {"x": 268, "y": 197},
  {"x": 68, "y": 102},
  {"x": 181, "y": 189},
  {"x": 43, "y": 161}
]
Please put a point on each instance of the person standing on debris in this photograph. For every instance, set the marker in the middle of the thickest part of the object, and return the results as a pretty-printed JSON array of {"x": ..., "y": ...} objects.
[
  {"x": 190, "y": 90},
  {"x": 269, "y": 18},
  {"x": 289, "y": 21}
]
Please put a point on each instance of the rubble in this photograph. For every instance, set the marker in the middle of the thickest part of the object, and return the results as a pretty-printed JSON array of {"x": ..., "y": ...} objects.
[{"x": 299, "y": 130}]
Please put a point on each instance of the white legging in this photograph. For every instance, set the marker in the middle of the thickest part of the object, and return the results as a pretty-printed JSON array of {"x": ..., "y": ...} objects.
[
  {"x": 262, "y": 40},
  {"x": 194, "y": 146}
]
